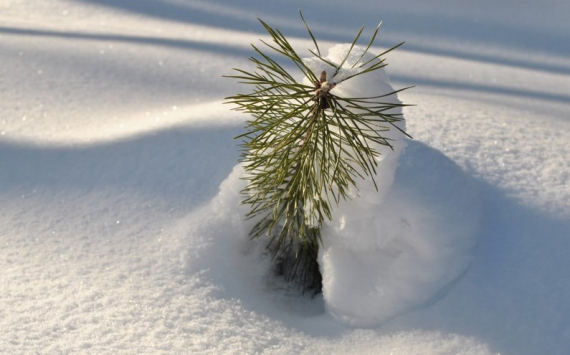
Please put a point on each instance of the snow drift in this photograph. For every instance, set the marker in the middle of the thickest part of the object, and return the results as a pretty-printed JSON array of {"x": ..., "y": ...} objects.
[{"x": 110, "y": 113}]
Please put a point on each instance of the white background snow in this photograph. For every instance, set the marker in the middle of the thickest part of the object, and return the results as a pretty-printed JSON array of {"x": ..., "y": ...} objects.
[{"x": 114, "y": 143}]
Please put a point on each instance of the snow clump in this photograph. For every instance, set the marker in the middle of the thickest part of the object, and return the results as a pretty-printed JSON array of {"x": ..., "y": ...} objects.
[{"x": 386, "y": 251}]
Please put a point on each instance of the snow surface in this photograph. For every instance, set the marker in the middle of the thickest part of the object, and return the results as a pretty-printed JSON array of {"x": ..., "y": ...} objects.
[{"x": 118, "y": 236}]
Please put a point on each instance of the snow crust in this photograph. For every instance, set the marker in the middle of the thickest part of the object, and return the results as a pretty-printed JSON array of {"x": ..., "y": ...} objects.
[{"x": 114, "y": 147}]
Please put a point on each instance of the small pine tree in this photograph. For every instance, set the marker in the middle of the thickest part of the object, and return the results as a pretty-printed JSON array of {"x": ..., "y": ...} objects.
[{"x": 305, "y": 147}]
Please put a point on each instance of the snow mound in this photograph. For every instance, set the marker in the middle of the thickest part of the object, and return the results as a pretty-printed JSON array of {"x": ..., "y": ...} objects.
[
  {"x": 388, "y": 250},
  {"x": 383, "y": 258},
  {"x": 399, "y": 254},
  {"x": 384, "y": 252}
]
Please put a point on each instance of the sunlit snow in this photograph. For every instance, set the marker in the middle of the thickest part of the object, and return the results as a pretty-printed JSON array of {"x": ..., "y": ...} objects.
[{"x": 120, "y": 228}]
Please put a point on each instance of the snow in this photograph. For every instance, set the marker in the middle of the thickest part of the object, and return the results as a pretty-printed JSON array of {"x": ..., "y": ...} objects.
[
  {"x": 394, "y": 254},
  {"x": 118, "y": 233}
]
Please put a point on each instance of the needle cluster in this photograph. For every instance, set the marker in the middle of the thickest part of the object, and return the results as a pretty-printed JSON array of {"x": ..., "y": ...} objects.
[{"x": 305, "y": 148}]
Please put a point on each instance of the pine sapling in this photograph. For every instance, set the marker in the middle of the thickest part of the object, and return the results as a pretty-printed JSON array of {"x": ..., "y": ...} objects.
[{"x": 304, "y": 147}]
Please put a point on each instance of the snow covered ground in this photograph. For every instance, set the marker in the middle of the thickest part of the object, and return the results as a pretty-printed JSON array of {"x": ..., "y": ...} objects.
[{"x": 114, "y": 143}]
